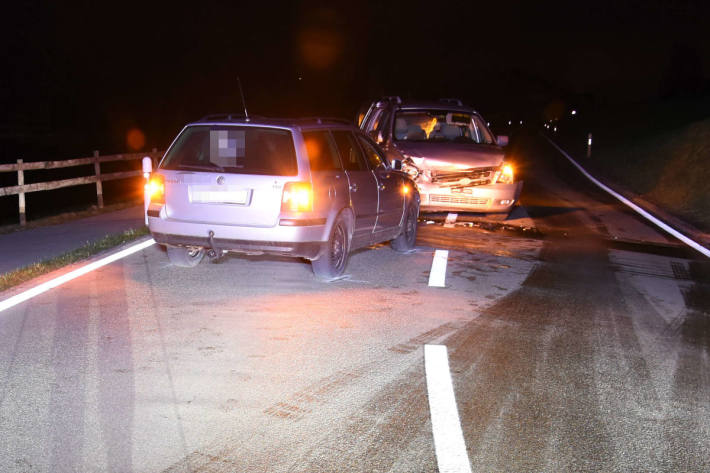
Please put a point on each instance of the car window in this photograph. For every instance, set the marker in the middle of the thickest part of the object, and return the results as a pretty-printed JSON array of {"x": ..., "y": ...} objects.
[
  {"x": 322, "y": 153},
  {"x": 373, "y": 121},
  {"x": 373, "y": 156},
  {"x": 485, "y": 135},
  {"x": 440, "y": 126},
  {"x": 350, "y": 152},
  {"x": 233, "y": 149}
]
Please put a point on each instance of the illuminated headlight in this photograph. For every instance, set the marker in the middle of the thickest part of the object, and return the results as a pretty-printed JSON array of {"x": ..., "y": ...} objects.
[
  {"x": 505, "y": 174},
  {"x": 409, "y": 167}
]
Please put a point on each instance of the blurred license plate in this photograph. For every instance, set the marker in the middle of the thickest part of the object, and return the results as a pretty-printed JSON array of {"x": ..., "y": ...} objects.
[{"x": 218, "y": 195}]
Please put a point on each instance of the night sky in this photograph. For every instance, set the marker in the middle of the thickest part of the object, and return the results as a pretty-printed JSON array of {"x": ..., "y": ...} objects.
[{"x": 78, "y": 77}]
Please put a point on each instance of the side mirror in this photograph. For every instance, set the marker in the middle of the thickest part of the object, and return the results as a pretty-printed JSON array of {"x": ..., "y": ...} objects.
[
  {"x": 147, "y": 166},
  {"x": 502, "y": 140}
]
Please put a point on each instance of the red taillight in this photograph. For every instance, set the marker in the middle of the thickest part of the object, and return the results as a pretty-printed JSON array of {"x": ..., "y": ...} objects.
[
  {"x": 297, "y": 197},
  {"x": 155, "y": 188}
]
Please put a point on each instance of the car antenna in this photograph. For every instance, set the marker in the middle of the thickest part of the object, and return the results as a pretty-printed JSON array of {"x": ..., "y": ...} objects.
[{"x": 241, "y": 92}]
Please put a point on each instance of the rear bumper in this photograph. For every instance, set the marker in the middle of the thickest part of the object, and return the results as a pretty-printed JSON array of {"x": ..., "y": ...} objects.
[
  {"x": 308, "y": 250},
  {"x": 300, "y": 238},
  {"x": 491, "y": 198}
]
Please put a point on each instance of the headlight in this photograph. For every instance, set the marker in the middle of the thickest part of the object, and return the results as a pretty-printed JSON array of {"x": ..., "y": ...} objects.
[
  {"x": 505, "y": 174},
  {"x": 409, "y": 167}
]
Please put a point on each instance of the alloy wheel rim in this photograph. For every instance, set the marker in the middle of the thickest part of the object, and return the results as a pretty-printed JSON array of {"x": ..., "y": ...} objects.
[{"x": 338, "y": 246}]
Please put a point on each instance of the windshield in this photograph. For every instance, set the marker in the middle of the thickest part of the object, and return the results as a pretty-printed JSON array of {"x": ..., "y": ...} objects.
[
  {"x": 440, "y": 125},
  {"x": 233, "y": 149}
]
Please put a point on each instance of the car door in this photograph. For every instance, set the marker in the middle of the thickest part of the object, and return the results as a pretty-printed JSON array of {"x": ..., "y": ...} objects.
[
  {"x": 362, "y": 186},
  {"x": 389, "y": 185}
]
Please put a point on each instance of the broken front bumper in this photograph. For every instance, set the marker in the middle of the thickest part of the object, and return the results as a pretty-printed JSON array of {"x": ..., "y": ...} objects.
[{"x": 486, "y": 198}]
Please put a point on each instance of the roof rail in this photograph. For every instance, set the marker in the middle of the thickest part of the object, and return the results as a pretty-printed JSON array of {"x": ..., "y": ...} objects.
[
  {"x": 452, "y": 101},
  {"x": 390, "y": 99}
]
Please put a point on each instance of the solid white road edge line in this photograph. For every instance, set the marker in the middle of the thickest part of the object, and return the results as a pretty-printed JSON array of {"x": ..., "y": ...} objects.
[
  {"x": 692, "y": 243},
  {"x": 449, "y": 444},
  {"x": 437, "y": 275},
  {"x": 64, "y": 278}
]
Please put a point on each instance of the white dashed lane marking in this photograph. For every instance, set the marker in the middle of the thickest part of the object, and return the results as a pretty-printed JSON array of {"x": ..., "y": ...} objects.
[
  {"x": 449, "y": 443},
  {"x": 437, "y": 275},
  {"x": 450, "y": 220}
]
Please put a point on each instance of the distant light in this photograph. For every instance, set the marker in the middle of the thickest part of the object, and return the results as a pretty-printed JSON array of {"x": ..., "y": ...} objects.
[
  {"x": 589, "y": 141},
  {"x": 510, "y": 122},
  {"x": 135, "y": 139},
  {"x": 488, "y": 123},
  {"x": 300, "y": 78},
  {"x": 555, "y": 130},
  {"x": 574, "y": 112},
  {"x": 521, "y": 122}
]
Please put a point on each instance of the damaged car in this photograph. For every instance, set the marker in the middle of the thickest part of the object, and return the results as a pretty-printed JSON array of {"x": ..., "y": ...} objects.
[{"x": 457, "y": 163}]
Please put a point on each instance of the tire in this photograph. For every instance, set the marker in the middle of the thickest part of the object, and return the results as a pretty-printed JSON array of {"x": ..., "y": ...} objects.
[
  {"x": 185, "y": 257},
  {"x": 407, "y": 239},
  {"x": 331, "y": 263}
]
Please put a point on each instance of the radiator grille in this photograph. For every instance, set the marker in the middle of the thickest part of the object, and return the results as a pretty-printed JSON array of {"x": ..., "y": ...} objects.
[{"x": 478, "y": 177}]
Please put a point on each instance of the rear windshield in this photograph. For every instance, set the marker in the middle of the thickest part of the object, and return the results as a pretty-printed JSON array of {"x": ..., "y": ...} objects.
[{"x": 233, "y": 149}]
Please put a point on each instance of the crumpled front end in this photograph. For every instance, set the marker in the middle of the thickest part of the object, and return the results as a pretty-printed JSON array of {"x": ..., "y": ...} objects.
[
  {"x": 472, "y": 198},
  {"x": 479, "y": 182}
]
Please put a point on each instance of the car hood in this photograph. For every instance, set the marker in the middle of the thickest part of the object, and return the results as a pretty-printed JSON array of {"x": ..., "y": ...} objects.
[{"x": 451, "y": 156}]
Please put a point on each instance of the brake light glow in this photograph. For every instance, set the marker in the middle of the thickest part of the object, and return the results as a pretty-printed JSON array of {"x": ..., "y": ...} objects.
[
  {"x": 155, "y": 189},
  {"x": 297, "y": 197}
]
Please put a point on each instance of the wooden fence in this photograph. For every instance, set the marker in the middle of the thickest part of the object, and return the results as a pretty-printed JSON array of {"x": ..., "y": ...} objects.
[{"x": 21, "y": 168}]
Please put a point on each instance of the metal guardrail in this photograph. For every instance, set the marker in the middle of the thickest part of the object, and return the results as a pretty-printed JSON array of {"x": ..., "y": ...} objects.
[{"x": 21, "y": 167}]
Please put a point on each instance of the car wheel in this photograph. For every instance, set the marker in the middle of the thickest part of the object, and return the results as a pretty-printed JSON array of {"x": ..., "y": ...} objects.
[
  {"x": 331, "y": 263},
  {"x": 405, "y": 241},
  {"x": 185, "y": 257}
]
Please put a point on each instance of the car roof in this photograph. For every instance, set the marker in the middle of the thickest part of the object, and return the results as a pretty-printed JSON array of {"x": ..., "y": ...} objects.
[
  {"x": 435, "y": 105},
  {"x": 296, "y": 123},
  {"x": 448, "y": 104}
]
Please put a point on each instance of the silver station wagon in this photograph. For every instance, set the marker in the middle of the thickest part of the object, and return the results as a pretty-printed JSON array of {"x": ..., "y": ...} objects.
[{"x": 310, "y": 188}]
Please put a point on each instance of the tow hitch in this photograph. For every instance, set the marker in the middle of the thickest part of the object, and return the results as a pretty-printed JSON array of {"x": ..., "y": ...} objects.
[{"x": 214, "y": 253}]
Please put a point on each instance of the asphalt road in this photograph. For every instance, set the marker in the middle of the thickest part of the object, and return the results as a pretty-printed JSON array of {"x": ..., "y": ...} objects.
[
  {"x": 22, "y": 248},
  {"x": 578, "y": 345}
]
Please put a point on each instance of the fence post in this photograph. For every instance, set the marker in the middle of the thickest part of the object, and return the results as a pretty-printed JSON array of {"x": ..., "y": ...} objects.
[
  {"x": 21, "y": 195},
  {"x": 99, "y": 187}
]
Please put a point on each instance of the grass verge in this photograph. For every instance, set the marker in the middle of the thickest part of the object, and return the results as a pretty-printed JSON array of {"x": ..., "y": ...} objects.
[
  {"x": 21, "y": 275},
  {"x": 660, "y": 153}
]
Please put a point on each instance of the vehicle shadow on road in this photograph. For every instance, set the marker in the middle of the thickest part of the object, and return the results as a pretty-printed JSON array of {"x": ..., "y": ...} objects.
[{"x": 542, "y": 211}]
